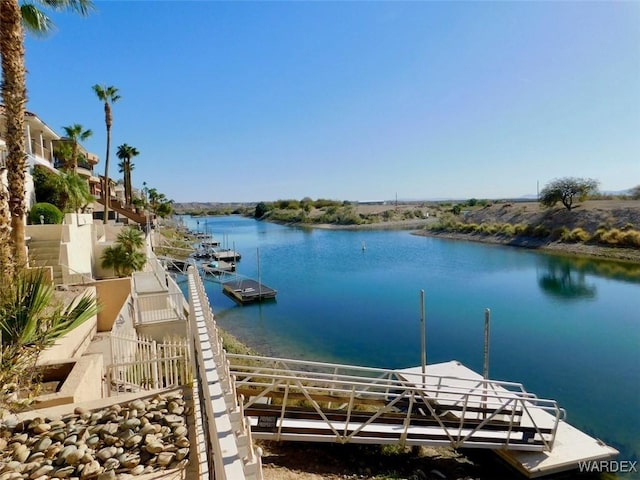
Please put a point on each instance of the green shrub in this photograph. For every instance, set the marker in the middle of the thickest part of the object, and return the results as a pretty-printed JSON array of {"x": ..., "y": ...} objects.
[{"x": 50, "y": 213}]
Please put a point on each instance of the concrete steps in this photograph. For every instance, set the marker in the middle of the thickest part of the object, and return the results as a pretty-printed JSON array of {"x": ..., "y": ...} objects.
[{"x": 46, "y": 253}]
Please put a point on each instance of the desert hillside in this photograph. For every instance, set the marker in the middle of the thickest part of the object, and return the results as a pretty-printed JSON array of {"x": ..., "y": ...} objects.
[{"x": 589, "y": 215}]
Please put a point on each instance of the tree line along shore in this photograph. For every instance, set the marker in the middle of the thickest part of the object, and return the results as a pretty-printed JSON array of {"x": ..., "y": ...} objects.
[{"x": 604, "y": 228}]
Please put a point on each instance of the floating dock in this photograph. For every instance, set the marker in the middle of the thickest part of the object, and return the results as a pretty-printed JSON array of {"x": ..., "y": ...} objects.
[
  {"x": 248, "y": 291},
  {"x": 218, "y": 267},
  {"x": 226, "y": 255},
  {"x": 571, "y": 446}
]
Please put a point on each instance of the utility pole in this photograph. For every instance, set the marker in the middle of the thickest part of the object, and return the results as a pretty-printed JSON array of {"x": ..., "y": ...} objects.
[{"x": 423, "y": 338}]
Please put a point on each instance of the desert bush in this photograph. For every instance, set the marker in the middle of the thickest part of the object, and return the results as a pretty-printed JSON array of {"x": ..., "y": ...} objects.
[
  {"x": 612, "y": 237},
  {"x": 469, "y": 227},
  {"x": 50, "y": 213},
  {"x": 576, "y": 235},
  {"x": 323, "y": 202},
  {"x": 508, "y": 230},
  {"x": 631, "y": 238},
  {"x": 540, "y": 231},
  {"x": 520, "y": 228},
  {"x": 580, "y": 235},
  {"x": 628, "y": 226},
  {"x": 559, "y": 234},
  {"x": 388, "y": 215}
]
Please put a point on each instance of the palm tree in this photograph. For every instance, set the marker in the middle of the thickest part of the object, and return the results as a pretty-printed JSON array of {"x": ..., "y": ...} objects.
[
  {"x": 108, "y": 95},
  {"x": 12, "y": 204},
  {"x": 124, "y": 256},
  {"x": 30, "y": 321},
  {"x": 76, "y": 134},
  {"x": 74, "y": 191},
  {"x": 126, "y": 153}
]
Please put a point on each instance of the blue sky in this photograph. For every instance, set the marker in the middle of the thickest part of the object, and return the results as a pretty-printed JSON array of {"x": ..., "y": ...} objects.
[{"x": 249, "y": 101}]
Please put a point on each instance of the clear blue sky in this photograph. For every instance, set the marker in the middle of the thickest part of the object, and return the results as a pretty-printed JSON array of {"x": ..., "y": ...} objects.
[{"x": 249, "y": 101}]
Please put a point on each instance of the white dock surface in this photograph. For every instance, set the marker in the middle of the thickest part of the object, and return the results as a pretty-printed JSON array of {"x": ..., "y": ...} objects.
[{"x": 571, "y": 445}]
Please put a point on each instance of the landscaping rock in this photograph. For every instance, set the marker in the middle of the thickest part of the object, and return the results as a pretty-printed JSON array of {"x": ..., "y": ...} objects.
[{"x": 116, "y": 443}]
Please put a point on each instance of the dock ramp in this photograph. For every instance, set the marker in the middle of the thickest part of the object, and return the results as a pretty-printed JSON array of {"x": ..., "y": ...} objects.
[{"x": 450, "y": 405}]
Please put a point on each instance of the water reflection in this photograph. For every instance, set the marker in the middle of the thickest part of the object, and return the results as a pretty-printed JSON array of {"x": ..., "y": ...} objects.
[{"x": 561, "y": 279}]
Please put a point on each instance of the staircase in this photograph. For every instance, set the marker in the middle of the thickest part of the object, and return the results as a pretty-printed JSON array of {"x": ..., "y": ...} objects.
[
  {"x": 115, "y": 205},
  {"x": 46, "y": 253}
]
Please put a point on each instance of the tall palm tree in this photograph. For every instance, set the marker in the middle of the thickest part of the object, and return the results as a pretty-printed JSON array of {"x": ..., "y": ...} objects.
[
  {"x": 108, "y": 95},
  {"x": 126, "y": 153},
  {"x": 12, "y": 204},
  {"x": 76, "y": 134}
]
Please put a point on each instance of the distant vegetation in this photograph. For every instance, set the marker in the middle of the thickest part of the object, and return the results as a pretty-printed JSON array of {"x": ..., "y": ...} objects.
[
  {"x": 332, "y": 212},
  {"x": 566, "y": 190}
]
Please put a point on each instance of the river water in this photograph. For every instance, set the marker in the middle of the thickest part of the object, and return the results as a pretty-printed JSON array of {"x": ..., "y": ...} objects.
[{"x": 568, "y": 329}]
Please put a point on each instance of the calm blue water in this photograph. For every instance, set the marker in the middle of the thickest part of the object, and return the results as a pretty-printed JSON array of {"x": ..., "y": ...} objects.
[{"x": 567, "y": 329}]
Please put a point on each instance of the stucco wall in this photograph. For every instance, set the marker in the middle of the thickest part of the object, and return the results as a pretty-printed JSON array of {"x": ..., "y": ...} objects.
[
  {"x": 112, "y": 295},
  {"x": 44, "y": 232},
  {"x": 75, "y": 342},
  {"x": 158, "y": 331},
  {"x": 77, "y": 251},
  {"x": 83, "y": 383}
]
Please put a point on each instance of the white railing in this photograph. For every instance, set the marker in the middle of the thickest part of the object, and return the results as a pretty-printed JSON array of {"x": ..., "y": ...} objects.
[
  {"x": 148, "y": 374},
  {"x": 156, "y": 267},
  {"x": 401, "y": 408},
  {"x": 228, "y": 434},
  {"x": 140, "y": 363},
  {"x": 160, "y": 307}
]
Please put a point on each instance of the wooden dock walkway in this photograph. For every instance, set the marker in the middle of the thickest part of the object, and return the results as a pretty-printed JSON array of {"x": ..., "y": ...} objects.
[{"x": 248, "y": 291}]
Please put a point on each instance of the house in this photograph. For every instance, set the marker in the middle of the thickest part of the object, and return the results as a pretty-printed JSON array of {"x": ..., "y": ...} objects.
[
  {"x": 39, "y": 138},
  {"x": 86, "y": 164},
  {"x": 42, "y": 147}
]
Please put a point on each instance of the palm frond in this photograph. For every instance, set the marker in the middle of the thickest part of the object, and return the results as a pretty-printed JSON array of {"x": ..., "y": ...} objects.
[
  {"x": 83, "y": 7},
  {"x": 35, "y": 20}
]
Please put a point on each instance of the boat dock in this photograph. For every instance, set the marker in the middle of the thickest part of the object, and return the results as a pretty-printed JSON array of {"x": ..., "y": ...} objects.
[
  {"x": 569, "y": 448},
  {"x": 226, "y": 255},
  {"x": 248, "y": 291},
  {"x": 218, "y": 267}
]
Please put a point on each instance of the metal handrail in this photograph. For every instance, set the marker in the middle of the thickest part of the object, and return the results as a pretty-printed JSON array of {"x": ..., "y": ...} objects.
[{"x": 389, "y": 388}]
